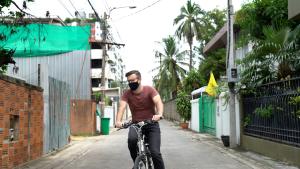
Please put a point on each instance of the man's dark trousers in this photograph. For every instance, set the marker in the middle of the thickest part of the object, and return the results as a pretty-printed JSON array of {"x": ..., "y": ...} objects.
[{"x": 152, "y": 132}]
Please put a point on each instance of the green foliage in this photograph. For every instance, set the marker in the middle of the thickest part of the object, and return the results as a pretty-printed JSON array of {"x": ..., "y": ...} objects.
[
  {"x": 295, "y": 101},
  {"x": 170, "y": 70},
  {"x": 6, "y": 58},
  {"x": 4, "y": 3},
  {"x": 189, "y": 22},
  {"x": 297, "y": 113},
  {"x": 16, "y": 14},
  {"x": 6, "y": 54},
  {"x": 226, "y": 97},
  {"x": 193, "y": 81},
  {"x": 247, "y": 120},
  {"x": 215, "y": 62},
  {"x": 108, "y": 101},
  {"x": 70, "y": 20},
  {"x": 253, "y": 16},
  {"x": 3, "y": 69},
  {"x": 78, "y": 20},
  {"x": 272, "y": 58},
  {"x": 97, "y": 96},
  {"x": 114, "y": 84},
  {"x": 183, "y": 106},
  {"x": 266, "y": 112},
  {"x": 212, "y": 22}
]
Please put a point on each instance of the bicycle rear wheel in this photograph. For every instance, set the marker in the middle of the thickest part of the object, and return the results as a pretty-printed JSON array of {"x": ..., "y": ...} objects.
[{"x": 140, "y": 162}]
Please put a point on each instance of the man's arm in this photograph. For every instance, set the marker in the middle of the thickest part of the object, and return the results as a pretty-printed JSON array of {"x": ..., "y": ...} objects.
[
  {"x": 120, "y": 113},
  {"x": 159, "y": 108}
]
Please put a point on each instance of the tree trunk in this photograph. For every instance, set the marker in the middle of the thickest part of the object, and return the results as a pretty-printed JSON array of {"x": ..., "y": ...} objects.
[{"x": 191, "y": 57}]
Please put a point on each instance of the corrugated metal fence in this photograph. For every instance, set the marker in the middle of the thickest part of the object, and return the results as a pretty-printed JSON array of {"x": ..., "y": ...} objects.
[
  {"x": 73, "y": 68},
  {"x": 59, "y": 113},
  {"x": 72, "y": 73}
]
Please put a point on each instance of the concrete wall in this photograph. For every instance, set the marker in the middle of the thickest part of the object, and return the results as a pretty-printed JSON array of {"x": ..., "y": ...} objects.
[
  {"x": 19, "y": 99},
  {"x": 83, "y": 117},
  {"x": 170, "y": 112},
  {"x": 195, "y": 115},
  {"x": 222, "y": 116},
  {"x": 272, "y": 149}
]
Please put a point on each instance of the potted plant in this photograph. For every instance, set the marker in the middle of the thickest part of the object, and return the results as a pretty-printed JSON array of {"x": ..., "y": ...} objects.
[{"x": 183, "y": 107}]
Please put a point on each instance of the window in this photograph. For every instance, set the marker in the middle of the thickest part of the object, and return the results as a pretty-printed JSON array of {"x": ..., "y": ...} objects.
[
  {"x": 13, "y": 127},
  {"x": 96, "y": 82},
  {"x": 96, "y": 63}
]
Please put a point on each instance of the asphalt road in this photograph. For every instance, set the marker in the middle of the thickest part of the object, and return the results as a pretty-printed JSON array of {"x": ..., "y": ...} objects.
[{"x": 181, "y": 149}]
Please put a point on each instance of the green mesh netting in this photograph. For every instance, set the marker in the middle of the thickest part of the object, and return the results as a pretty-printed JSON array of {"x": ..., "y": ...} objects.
[{"x": 43, "y": 39}]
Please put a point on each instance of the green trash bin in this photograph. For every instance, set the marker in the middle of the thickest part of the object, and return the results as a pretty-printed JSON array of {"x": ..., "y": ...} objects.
[{"x": 105, "y": 125}]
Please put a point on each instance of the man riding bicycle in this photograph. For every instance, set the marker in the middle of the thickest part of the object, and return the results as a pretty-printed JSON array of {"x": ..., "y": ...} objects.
[{"x": 145, "y": 104}]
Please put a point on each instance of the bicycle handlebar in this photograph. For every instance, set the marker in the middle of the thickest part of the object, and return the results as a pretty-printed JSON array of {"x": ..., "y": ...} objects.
[{"x": 128, "y": 124}]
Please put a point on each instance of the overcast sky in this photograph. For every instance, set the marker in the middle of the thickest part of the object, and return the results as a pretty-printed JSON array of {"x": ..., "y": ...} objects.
[{"x": 139, "y": 29}]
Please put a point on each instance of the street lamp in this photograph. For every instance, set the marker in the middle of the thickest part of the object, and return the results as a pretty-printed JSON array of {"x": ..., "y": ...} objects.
[
  {"x": 130, "y": 7},
  {"x": 104, "y": 53}
]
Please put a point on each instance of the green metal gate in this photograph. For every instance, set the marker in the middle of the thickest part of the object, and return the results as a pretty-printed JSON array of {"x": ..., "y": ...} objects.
[{"x": 207, "y": 114}]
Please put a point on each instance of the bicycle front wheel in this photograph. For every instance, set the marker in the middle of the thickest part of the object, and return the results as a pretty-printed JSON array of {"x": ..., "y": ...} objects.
[{"x": 140, "y": 162}]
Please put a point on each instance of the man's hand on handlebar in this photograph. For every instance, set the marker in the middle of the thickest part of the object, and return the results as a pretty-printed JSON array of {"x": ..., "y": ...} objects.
[
  {"x": 157, "y": 117},
  {"x": 119, "y": 124}
]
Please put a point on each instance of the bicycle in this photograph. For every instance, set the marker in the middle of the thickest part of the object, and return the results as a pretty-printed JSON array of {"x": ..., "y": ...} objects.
[{"x": 143, "y": 159}]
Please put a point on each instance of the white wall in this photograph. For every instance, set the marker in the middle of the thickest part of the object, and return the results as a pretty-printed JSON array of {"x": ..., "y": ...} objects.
[
  {"x": 110, "y": 112},
  {"x": 222, "y": 117},
  {"x": 195, "y": 115}
]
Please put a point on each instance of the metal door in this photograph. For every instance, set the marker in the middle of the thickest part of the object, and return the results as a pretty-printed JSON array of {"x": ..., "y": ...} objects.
[{"x": 207, "y": 114}]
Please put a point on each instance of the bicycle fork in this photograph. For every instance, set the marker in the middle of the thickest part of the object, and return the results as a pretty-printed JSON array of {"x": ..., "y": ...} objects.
[{"x": 144, "y": 150}]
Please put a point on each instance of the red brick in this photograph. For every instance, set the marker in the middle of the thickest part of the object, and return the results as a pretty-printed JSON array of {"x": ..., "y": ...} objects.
[{"x": 14, "y": 100}]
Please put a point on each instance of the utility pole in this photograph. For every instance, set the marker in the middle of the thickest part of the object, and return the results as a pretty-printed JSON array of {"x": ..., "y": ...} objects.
[
  {"x": 104, "y": 34},
  {"x": 104, "y": 50},
  {"x": 231, "y": 72}
]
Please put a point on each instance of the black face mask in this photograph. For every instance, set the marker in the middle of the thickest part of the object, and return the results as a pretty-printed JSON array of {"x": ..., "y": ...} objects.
[{"x": 134, "y": 85}]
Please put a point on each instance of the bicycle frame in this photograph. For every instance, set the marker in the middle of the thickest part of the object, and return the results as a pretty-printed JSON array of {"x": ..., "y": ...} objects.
[
  {"x": 143, "y": 154},
  {"x": 141, "y": 139}
]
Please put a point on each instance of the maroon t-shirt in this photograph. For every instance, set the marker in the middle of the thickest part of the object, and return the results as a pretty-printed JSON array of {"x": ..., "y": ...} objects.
[{"x": 141, "y": 105}]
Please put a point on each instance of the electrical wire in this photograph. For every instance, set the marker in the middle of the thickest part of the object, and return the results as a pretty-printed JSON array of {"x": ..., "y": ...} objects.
[
  {"x": 65, "y": 8},
  {"x": 78, "y": 14},
  {"x": 75, "y": 9},
  {"x": 106, "y": 6},
  {"x": 94, "y": 10},
  {"x": 140, "y": 10},
  {"x": 107, "y": 10}
]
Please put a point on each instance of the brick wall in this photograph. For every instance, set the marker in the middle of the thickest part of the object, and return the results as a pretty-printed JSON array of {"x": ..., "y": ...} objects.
[
  {"x": 83, "y": 117},
  {"x": 21, "y": 108}
]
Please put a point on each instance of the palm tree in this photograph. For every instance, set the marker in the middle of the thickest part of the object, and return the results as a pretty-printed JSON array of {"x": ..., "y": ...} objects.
[
  {"x": 274, "y": 57},
  {"x": 171, "y": 68},
  {"x": 189, "y": 25},
  {"x": 214, "y": 61}
]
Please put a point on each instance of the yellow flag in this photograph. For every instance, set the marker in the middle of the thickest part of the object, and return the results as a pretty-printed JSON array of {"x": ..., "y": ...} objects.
[{"x": 212, "y": 84}]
